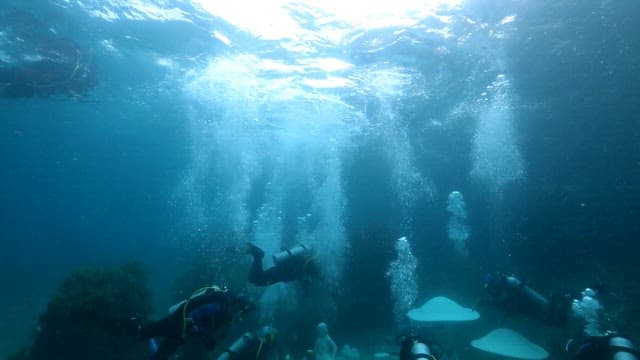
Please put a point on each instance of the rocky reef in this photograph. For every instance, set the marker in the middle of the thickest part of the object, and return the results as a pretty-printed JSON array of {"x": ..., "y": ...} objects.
[{"x": 94, "y": 314}]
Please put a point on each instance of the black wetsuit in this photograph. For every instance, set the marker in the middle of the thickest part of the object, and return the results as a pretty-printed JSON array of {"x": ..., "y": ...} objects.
[
  {"x": 207, "y": 316},
  {"x": 294, "y": 268},
  {"x": 608, "y": 347},
  {"x": 514, "y": 296},
  {"x": 70, "y": 75},
  {"x": 15, "y": 83}
]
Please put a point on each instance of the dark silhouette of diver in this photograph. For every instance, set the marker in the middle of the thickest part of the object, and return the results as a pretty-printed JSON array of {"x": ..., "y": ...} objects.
[
  {"x": 295, "y": 264},
  {"x": 513, "y": 295},
  {"x": 606, "y": 347},
  {"x": 59, "y": 68},
  {"x": 414, "y": 347},
  {"x": 207, "y": 314}
]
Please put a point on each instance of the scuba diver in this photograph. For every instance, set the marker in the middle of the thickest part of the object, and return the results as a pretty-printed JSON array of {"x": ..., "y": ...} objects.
[
  {"x": 511, "y": 294},
  {"x": 57, "y": 67},
  {"x": 611, "y": 346},
  {"x": 297, "y": 263},
  {"x": 258, "y": 345},
  {"x": 412, "y": 347},
  {"x": 207, "y": 314}
]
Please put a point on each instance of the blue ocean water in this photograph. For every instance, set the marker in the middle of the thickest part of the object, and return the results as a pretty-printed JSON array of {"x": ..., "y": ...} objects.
[{"x": 165, "y": 131}]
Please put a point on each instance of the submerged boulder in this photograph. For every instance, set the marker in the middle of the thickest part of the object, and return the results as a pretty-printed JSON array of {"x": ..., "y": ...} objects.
[{"x": 94, "y": 314}]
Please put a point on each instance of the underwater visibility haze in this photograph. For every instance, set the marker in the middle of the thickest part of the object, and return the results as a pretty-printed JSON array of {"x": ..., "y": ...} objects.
[{"x": 417, "y": 145}]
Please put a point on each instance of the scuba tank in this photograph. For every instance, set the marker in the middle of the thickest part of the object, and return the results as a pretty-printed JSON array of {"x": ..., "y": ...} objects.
[
  {"x": 238, "y": 346},
  {"x": 622, "y": 348},
  {"x": 296, "y": 251},
  {"x": 420, "y": 350},
  {"x": 539, "y": 302}
]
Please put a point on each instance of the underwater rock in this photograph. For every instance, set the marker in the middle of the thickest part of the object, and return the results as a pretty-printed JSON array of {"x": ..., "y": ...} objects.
[{"x": 94, "y": 314}]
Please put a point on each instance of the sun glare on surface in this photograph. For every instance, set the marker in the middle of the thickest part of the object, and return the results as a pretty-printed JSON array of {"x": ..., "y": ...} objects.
[{"x": 272, "y": 20}]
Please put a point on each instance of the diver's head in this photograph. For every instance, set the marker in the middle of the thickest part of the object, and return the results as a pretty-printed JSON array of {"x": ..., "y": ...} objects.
[
  {"x": 409, "y": 334},
  {"x": 498, "y": 282}
]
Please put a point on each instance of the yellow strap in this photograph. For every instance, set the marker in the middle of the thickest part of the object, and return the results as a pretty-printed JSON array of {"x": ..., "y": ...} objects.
[
  {"x": 75, "y": 69},
  {"x": 259, "y": 348}
]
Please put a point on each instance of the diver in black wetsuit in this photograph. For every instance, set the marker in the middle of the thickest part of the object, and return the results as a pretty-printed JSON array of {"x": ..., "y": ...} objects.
[
  {"x": 607, "y": 347},
  {"x": 207, "y": 314},
  {"x": 60, "y": 68},
  {"x": 295, "y": 264},
  {"x": 511, "y": 294},
  {"x": 414, "y": 347}
]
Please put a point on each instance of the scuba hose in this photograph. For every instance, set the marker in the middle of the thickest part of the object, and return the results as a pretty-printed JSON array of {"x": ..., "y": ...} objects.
[
  {"x": 77, "y": 67},
  {"x": 267, "y": 338},
  {"x": 259, "y": 348}
]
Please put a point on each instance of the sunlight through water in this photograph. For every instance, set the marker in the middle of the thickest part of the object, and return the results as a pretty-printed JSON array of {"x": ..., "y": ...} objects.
[{"x": 273, "y": 20}]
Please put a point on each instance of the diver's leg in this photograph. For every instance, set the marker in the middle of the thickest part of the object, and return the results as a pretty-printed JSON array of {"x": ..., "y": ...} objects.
[
  {"x": 256, "y": 272},
  {"x": 273, "y": 275},
  {"x": 258, "y": 275}
]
